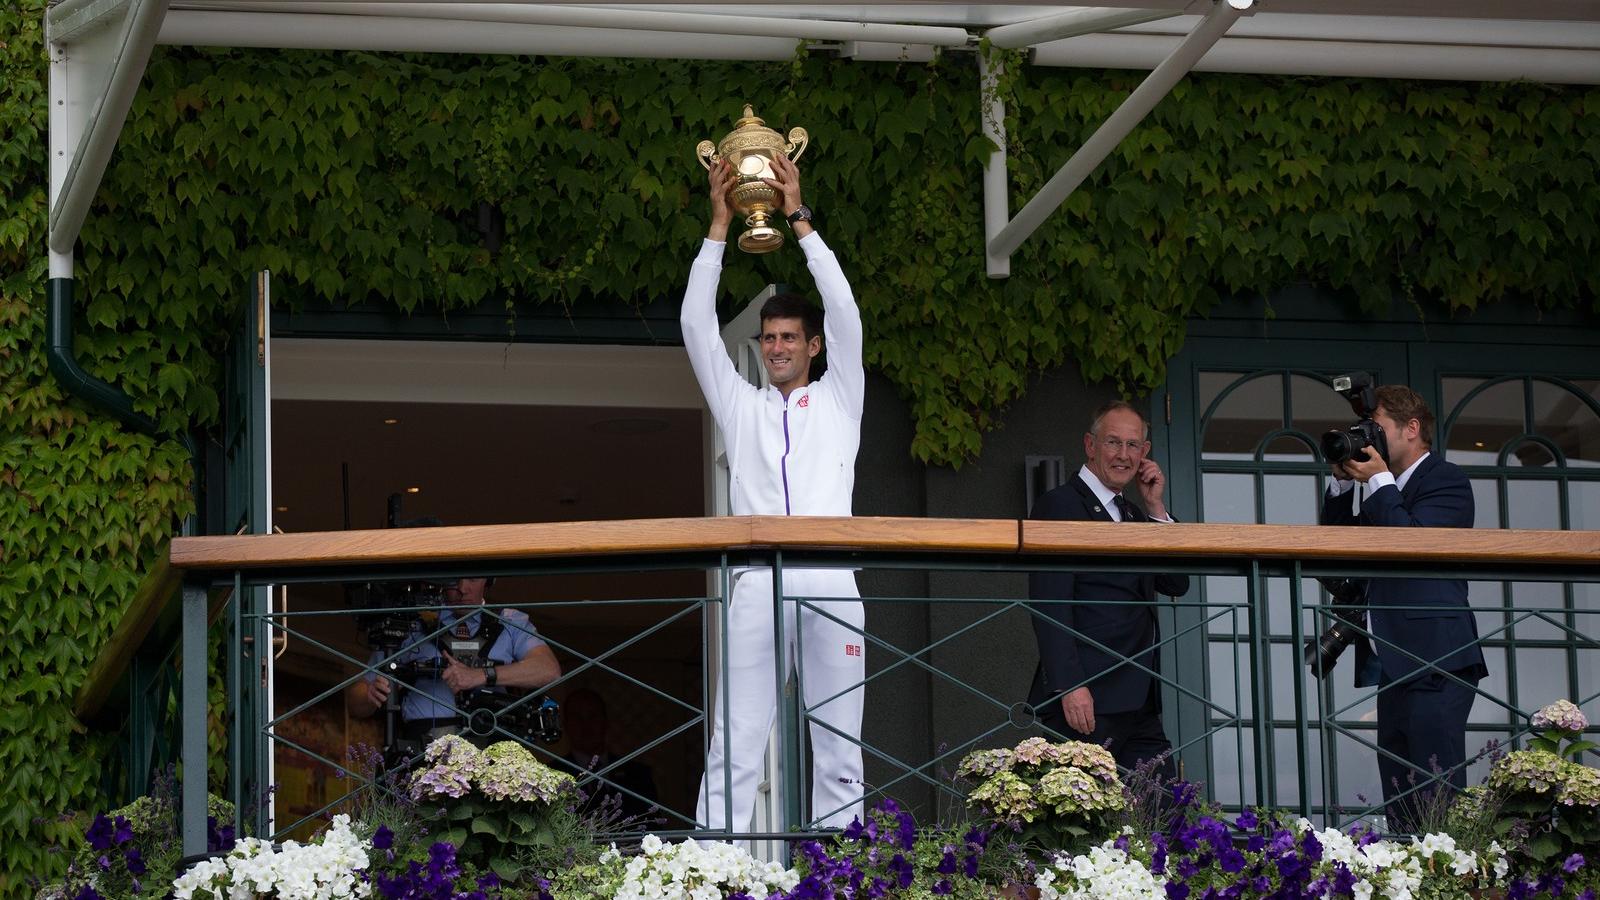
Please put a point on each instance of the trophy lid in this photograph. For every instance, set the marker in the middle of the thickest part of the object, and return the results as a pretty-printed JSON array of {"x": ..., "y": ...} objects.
[{"x": 750, "y": 134}]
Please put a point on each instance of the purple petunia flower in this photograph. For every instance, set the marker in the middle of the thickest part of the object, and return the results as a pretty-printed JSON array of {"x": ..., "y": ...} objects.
[
  {"x": 1231, "y": 860},
  {"x": 947, "y": 864},
  {"x": 900, "y": 868},
  {"x": 87, "y": 892},
  {"x": 943, "y": 887},
  {"x": 123, "y": 831},
  {"x": 1573, "y": 863},
  {"x": 99, "y": 833},
  {"x": 1248, "y": 821},
  {"x": 852, "y": 832},
  {"x": 969, "y": 865},
  {"x": 104, "y": 862},
  {"x": 134, "y": 860},
  {"x": 1177, "y": 890}
]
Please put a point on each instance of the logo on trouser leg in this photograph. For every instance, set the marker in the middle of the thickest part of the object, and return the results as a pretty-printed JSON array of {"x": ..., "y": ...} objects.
[{"x": 852, "y": 649}]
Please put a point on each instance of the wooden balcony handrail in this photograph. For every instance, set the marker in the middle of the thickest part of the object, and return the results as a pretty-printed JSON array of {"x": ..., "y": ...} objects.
[{"x": 644, "y": 537}]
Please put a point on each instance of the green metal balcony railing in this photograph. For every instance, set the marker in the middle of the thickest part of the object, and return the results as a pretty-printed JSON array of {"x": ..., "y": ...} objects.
[{"x": 947, "y": 672}]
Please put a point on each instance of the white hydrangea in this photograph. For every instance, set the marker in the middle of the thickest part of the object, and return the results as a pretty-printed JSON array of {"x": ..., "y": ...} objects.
[
  {"x": 689, "y": 870},
  {"x": 329, "y": 869}
]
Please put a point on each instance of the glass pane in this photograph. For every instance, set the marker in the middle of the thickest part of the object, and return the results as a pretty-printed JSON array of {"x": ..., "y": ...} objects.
[
  {"x": 1229, "y": 750},
  {"x": 1548, "y": 607},
  {"x": 1229, "y": 497},
  {"x": 1248, "y": 413},
  {"x": 1491, "y": 709},
  {"x": 1541, "y": 678},
  {"x": 1315, "y": 406},
  {"x": 1531, "y": 454},
  {"x": 1230, "y": 677},
  {"x": 1455, "y": 388},
  {"x": 1586, "y": 598},
  {"x": 1212, "y": 384},
  {"x": 1291, "y": 499},
  {"x": 1288, "y": 448},
  {"x": 1481, "y": 742},
  {"x": 1359, "y": 785},
  {"x": 1222, "y": 590},
  {"x": 1488, "y": 421},
  {"x": 1485, "y": 499},
  {"x": 1568, "y": 421},
  {"x": 1488, "y": 603},
  {"x": 1584, "y": 497},
  {"x": 1346, "y": 693},
  {"x": 1533, "y": 504},
  {"x": 1287, "y": 760}
]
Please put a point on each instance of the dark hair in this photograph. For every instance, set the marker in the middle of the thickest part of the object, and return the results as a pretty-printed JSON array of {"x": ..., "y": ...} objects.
[
  {"x": 1403, "y": 404},
  {"x": 1113, "y": 406},
  {"x": 793, "y": 306}
]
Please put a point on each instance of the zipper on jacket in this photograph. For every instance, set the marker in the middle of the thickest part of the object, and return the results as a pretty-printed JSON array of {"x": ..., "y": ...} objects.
[{"x": 783, "y": 463}]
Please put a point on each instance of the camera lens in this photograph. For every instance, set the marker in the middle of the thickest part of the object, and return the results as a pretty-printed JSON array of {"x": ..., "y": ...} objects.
[{"x": 1337, "y": 446}]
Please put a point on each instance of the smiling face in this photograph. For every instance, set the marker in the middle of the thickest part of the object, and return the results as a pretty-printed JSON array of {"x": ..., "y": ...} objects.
[
  {"x": 1113, "y": 451},
  {"x": 787, "y": 353}
]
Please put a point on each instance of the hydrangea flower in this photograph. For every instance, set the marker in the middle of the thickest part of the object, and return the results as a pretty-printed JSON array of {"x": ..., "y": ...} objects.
[
  {"x": 453, "y": 764},
  {"x": 512, "y": 773},
  {"x": 1562, "y": 715}
]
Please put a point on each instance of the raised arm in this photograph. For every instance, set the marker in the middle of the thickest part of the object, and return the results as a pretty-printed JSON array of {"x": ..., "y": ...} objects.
[
  {"x": 702, "y": 336},
  {"x": 841, "y": 323}
]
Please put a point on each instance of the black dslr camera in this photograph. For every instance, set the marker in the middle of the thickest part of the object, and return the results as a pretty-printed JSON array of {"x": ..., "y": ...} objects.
[
  {"x": 1351, "y": 443},
  {"x": 1349, "y": 602}
]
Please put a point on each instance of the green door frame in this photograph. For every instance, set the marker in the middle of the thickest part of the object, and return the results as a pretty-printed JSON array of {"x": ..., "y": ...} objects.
[{"x": 1400, "y": 350}]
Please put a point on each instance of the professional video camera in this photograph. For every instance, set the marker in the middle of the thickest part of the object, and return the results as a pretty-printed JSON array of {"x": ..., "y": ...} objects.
[
  {"x": 1349, "y": 603},
  {"x": 387, "y": 610},
  {"x": 1351, "y": 443}
]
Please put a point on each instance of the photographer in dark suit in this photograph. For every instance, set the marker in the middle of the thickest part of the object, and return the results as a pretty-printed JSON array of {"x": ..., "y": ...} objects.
[
  {"x": 1427, "y": 660},
  {"x": 1104, "y": 696}
]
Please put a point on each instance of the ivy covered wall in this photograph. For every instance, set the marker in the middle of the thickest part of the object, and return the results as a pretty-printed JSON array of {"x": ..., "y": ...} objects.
[{"x": 357, "y": 177}]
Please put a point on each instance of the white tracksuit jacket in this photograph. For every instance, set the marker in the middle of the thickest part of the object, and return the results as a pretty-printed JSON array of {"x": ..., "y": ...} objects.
[{"x": 786, "y": 457}]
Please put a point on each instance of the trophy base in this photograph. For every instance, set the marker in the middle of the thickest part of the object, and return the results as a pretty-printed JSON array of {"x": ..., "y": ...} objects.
[{"x": 761, "y": 239}]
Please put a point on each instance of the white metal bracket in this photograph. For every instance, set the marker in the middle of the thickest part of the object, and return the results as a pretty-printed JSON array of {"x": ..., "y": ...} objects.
[
  {"x": 1002, "y": 237},
  {"x": 95, "y": 69}
]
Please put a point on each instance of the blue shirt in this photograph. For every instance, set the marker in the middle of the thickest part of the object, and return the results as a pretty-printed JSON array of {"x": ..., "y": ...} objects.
[{"x": 430, "y": 697}]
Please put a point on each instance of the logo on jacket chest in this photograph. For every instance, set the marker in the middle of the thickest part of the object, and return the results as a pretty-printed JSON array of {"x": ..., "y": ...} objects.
[{"x": 805, "y": 401}]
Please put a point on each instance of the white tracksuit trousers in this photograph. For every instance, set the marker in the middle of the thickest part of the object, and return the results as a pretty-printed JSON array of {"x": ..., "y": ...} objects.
[{"x": 832, "y": 661}]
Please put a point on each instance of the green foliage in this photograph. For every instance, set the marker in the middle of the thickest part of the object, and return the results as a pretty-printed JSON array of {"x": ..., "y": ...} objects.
[{"x": 357, "y": 176}]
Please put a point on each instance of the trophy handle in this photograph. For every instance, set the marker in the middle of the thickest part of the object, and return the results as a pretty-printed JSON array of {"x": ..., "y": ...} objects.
[
  {"x": 706, "y": 152},
  {"x": 798, "y": 139}
]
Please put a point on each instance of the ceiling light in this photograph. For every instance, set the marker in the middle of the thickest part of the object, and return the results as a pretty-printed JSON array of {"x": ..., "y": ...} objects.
[
  {"x": 391, "y": 421},
  {"x": 1477, "y": 443},
  {"x": 413, "y": 490},
  {"x": 281, "y": 508}
]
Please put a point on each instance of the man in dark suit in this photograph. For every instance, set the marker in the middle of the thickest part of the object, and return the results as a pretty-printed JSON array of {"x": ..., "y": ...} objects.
[
  {"x": 1427, "y": 662},
  {"x": 1097, "y": 631}
]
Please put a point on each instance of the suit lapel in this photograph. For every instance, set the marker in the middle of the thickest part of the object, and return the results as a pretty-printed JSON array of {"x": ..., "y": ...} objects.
[
  {"x": 1097, "y": 510},
  {"x": 1417, "y": 475}
]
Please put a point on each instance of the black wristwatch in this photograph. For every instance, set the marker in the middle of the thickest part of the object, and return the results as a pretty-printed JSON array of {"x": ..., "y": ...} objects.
[
  {"x": 489, "y": 675},
  {"x": 802, "y": 213}
]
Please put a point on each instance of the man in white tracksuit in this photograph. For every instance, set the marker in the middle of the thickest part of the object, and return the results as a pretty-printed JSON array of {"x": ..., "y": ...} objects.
[{"x": 791, "y": 452}]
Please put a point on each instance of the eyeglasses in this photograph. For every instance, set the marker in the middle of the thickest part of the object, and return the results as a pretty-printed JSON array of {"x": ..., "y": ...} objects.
[{"x": 1117, "y": 445}]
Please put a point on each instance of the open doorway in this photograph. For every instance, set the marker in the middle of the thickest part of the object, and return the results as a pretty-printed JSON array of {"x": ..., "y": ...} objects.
[{"x": 479, "y": 433}]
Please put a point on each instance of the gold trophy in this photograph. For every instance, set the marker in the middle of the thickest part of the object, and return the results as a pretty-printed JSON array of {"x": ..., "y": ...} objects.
[{"x": 750, "y": 148}]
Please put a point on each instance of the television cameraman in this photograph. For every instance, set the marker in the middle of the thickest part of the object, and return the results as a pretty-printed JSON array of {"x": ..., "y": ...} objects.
[
  {"x": 510, "y": 657},
  {"x": 1426, "y": 663}
]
